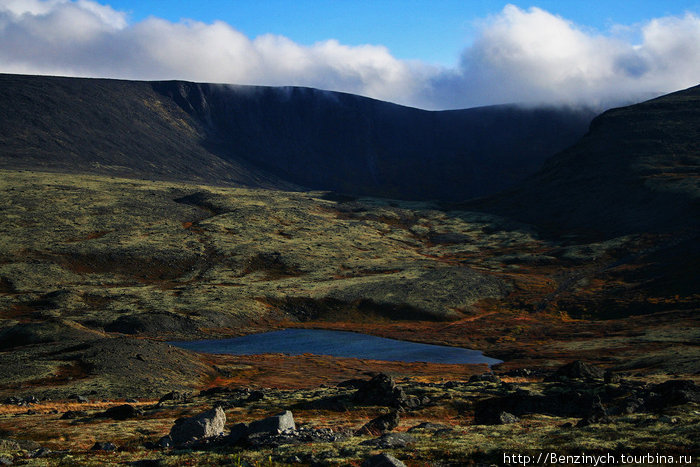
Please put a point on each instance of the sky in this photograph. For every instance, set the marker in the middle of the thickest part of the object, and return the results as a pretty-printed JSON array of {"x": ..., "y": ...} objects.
[{"x": 437, "y": 54}]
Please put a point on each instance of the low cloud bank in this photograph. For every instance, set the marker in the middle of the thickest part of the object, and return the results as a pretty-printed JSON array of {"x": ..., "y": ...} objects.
[{"x": 529, "y": 56}]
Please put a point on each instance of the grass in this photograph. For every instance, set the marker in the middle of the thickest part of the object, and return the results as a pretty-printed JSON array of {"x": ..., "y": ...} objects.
[{"x": 87, "y": 259}]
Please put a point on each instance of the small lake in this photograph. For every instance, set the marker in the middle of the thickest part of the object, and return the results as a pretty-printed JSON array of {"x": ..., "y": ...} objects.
[{"x": 337, "y": 344}]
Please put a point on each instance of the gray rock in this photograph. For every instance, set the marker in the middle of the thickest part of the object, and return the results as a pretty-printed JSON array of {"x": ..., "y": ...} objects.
[
  {"x": 275, "y": 424},
  {"x": 205, "y": 425},
  {"x": 5, "y": 460},
  {"x": 383, "y": 460}
]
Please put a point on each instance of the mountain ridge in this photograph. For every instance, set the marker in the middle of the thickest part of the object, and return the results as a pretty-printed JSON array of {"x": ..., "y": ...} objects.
[
  {"x": 636, "y": 170},
  {"x": 274, "y": 137}
]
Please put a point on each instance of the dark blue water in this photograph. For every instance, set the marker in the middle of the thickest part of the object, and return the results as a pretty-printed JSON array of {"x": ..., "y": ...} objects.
[{"x": 337, "y": 344}]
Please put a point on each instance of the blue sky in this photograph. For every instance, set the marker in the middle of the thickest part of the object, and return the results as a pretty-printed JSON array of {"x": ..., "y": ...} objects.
[
  {"x": 438, "y": 54},
  {"x": 433, "y": 31}
]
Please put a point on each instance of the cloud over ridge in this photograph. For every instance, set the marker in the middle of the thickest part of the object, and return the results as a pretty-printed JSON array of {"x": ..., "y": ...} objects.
[{"x": 518, "y": 56}]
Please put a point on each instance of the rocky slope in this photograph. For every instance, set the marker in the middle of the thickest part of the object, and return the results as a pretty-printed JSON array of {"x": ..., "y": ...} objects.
[
  {"x": 274, "y": 137},
  {"x": 637, "y": 170}
]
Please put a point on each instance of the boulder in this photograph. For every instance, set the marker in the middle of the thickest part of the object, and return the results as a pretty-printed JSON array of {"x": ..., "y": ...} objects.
[
  {"x": 381, "y": 424},
  {"x": 380, "y": 390},
  {"x": 120, "y": 412},
  {"x": 383, "y": 460},
  {"x": 205, "y": 425},
  {"x": 275, "y": 424}
]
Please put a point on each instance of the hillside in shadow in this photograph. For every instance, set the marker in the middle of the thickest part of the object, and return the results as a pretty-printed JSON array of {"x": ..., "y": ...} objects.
[{"x": 274, "y": 137}]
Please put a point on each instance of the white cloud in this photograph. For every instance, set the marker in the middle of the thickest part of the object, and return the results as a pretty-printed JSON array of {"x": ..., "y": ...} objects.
[{"x": 518, "y": 56}]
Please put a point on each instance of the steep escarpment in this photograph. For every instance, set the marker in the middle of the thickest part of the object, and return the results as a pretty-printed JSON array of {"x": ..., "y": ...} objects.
[
  {"x": 637, "y": 170},
  {"x": 282, "y": 138},
  {"x": 342, "y": 142}
]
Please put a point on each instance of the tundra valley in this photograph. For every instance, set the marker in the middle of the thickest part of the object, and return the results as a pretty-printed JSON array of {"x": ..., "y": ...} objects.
[{"x": 136, "y": 214}]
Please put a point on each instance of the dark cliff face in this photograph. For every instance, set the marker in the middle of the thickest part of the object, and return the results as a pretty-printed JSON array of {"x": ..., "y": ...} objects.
[
  {"x": 637, "y": 170},
  {"x": 274, "y": 137},
  {"x": 347, "y": 143}
]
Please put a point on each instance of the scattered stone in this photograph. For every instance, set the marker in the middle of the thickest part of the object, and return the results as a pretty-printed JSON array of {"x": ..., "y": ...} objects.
[
  {"x": 494, "y": 417},
  {"x": 175, "y": 396},
  {"x": 597, "y": 414},
  {"x": 390, "y": 440},
  {"x": 427, "y": 426},
  {"x": 73, "y": 414},
  {"x": 577, "y": 370},
  {"x": 205, "y": 425},
  {"x": 381, "y": 424},
  {"x": 79, "y": 398},
  {"x": 486, "y": 377},
  {"x": 41, "y": 452},
  {"x": 380, "y": 390},
  {"x": 104, "y": 446},
  {"x": 120, "y": 412},
  {"x": 165, "y": 442},
  {"x": 5, "y": 460},
  {"x": 255, "y": 396},
  {"x": 593, "y": 418},
  {"x": 383, "y": 460},
  {"x": 302, "y": 435},
  {"x": 275, "y": 424}
]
